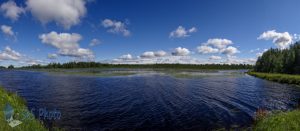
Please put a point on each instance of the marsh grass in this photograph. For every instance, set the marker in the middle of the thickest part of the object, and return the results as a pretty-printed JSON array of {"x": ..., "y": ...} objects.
[
  {"x": 281, "y": 78},
  {"x": 279, "y": 121},
  {"x": 29, "y": 123}
]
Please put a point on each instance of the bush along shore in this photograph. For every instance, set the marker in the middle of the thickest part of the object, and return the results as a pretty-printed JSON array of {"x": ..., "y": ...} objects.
[
  {"x": 15, "y": 116},
  {"x": 276, "y": 77}
]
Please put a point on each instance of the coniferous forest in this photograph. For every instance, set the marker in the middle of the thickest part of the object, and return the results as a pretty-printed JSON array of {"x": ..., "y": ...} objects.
[{"x": 280, "y": 61}]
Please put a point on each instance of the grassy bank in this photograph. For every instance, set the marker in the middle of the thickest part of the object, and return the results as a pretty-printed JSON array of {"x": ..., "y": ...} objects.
[
  {"x": 29, "y": 123},
  {"x": 282, "y": 121},
  {"x": 281, "y": 78}
]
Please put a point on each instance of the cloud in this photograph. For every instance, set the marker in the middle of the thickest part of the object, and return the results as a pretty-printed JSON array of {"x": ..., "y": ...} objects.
[
  {"x": 67, "y": 44},
  {"x": 160, "y": 53},
  {"x": 179, "y": 51},
  {"x": 66, "y": 13},
  {"x": 235, "y": 60},
  {"x": 95, "y": 42},
  {"x": 151, "y": 54},
  {"x": 11, "y": 10},
  {"x": 218, "y": 43},
  {"x": 148, "y": 54},
  {"x": 215, "y": 57},
  {"x": 79, "y": 53},
  {"x": 7, "y": 30},
  {"x": 126, "y": 57},
  {"x": 116, "y": 27},
  {"x": 281, "y": 40},
  {"x": 230, "y": 50},
  {"x": 52, "y": 56},
  {"x": 207, "y": 49},
  {"x": 148, "y": 58},
  {"x": 9, "y": 54},
  {"x": 157, "y": 60},
  {"x": 181, "y": 32}
]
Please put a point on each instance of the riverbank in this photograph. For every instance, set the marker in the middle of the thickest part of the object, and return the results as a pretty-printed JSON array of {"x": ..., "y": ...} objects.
[
  {"x": 278, "y": 121},
  {"x": 21, "y": 113},
  {"x": 281, "y": 78},
  {"x": 282, "y": 121}
]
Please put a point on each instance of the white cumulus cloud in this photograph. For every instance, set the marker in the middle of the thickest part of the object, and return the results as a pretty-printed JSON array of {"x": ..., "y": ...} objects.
[
  {"x": 7, "y": 30},
  {"x": 66, "y": 13},
  {"x": 179, "y": 51},
  {"x": 67, "y": 44},
  {"x": 116, "y": 27},
  {"x": 151, "y": 54},
  {"x": 218, "y": 43},
  {"x": 160, "y": 53},
  {"x": 181, "y": 32},
  {"x": 230, "y": 50},
  {"x": 9, "y": 54},
  {"x": 207, "y": 49},
  {"x": 281, "y": 40},
  {"x": 148, "y": 54},
  {"x": 11, "y": 10}
]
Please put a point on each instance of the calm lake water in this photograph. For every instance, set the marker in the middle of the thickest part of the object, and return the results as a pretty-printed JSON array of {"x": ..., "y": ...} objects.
[{"x": 151, "y": 100}]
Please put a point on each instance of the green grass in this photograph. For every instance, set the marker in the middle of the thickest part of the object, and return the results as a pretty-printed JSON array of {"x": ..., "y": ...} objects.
[
  {"x": 282, "y": 121},
  {"x": 28, "y": 123},
  {"x": 281, "y": 78}
]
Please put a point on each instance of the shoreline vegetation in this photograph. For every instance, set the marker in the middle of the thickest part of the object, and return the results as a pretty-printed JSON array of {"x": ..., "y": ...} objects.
[
  {"x": 21, "y": 113},
  {"x": 276, "y": 77},
  {"x": 277, "y": 121}
]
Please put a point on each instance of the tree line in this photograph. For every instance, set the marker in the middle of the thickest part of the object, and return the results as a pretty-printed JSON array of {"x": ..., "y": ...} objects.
[
  {"x": 70, "y": 65},
  {"x": 280, "y": 60}
]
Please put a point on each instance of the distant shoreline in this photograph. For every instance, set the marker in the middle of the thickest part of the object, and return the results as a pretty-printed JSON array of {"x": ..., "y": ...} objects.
[{"x": 75, "y": 65}]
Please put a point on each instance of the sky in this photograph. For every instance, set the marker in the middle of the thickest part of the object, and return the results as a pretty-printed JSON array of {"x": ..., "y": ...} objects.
[{"x": 144, "y": 31}]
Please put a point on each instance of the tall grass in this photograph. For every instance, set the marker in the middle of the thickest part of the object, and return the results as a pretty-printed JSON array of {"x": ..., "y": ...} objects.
[
  {"x": 29, "y": 123},
  {"x": 281, "y": 121},
  {"x": 281, "y": 78}
]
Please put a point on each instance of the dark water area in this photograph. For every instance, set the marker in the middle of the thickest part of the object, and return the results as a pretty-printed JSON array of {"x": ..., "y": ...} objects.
[{"x": 151, "y": 101}]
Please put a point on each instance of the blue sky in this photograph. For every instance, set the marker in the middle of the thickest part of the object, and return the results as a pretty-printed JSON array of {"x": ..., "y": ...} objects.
[{"x": 148, "y": 31}]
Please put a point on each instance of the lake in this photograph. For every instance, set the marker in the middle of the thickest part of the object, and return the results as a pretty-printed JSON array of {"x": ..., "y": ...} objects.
[{"x": 150, "y": 99}]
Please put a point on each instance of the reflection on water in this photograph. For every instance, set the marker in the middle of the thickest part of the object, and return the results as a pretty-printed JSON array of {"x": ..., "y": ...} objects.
[{"x": 151, "y": 99}]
